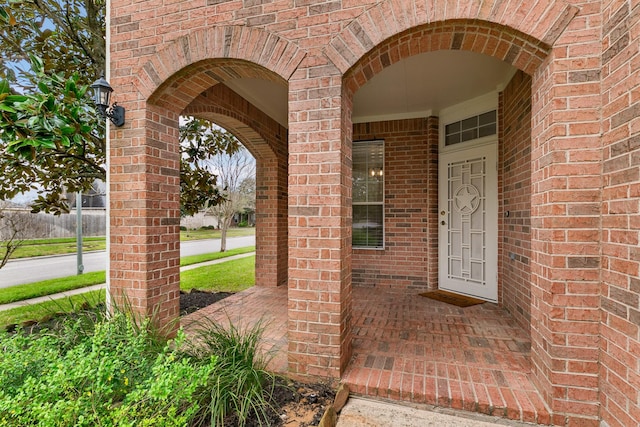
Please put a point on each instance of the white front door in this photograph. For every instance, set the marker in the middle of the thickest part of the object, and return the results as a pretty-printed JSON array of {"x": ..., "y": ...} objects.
[{"x": 468, "y": 218}]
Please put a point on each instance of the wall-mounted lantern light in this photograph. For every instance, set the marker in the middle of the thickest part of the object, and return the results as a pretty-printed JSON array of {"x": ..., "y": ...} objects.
[{"x": 101, "y": 93}]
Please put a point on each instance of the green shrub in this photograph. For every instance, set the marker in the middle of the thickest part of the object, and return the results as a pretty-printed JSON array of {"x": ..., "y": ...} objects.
[
  {"x": 90, "y": 369},
  {"x": 108, "y": 373}
]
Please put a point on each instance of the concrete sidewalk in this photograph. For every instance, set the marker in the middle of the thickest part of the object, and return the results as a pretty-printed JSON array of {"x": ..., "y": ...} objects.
[
  {"x": 361, "y": 412},
  {"x": 103, "y": 285}
]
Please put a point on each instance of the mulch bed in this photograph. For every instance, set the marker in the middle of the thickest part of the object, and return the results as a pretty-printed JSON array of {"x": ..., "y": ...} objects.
[
  {"x": 196, "y": 299},
  {"x": 294, "y": 404}
]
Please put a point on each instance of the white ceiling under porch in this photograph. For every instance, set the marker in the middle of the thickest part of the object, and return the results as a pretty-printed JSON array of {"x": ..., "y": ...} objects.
[{"x": 419, "y": 86}]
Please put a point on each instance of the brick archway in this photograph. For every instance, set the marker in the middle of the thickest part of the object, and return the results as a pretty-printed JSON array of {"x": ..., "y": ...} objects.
[
  {"x": 360, "y": 54},
  {"x": 144, "y": 157},
  {"x": 503, "y": 43},
  {"x": 267, "y": 142},
  {"x": 542, "y": 20},
  {"x": 191, "y": 64}
]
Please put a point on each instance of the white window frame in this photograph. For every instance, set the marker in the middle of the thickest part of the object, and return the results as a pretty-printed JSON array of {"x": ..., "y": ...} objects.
[{"x": 368, "y": 203}]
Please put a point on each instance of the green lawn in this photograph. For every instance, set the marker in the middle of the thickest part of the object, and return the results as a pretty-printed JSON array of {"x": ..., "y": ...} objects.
[
  {"x": 195, "y": 259},
  {"x": 46, "y": 247},
  {"x": 52, "y": 286},
  {"x": 230, "y": 276},
  {"x": 43, "y": 310}
]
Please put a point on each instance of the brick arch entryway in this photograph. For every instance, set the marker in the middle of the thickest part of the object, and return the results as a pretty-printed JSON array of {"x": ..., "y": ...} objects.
[
  {"x": 159, "y": 71},
  {"x": 267, "y": 141},
  {"x": 562, "y": 364},
  {"x": 475, "y": 358},
  {"x": 144, "y": 159}
]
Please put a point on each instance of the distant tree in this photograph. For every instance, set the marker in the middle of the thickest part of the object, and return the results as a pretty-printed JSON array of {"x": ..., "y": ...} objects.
[
  {"x": 51, "y": 138},
  {"x": 13, "y": 228},
  {"x": 236, "y": 175}
]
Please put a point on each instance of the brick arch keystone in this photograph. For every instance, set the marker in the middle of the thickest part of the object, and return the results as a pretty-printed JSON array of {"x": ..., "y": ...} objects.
[
  {"x": 191, "y": 64},
  {"x": 541, "y": 21}
]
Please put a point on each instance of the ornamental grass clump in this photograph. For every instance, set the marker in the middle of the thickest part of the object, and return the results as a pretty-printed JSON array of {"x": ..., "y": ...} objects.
[{"x": 240, "y": 387}]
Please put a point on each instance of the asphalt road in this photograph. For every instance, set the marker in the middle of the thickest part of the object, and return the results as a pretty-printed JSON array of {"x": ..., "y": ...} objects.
[{"x": 21, "y": 271}]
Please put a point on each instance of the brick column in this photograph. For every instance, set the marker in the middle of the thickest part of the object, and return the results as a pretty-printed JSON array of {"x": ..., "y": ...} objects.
[
  {"x": 319, "y": 221},
  {"x": 620, "y": 291},
  {"x": 271, "y": 221},
  {"x": 565, "y": 210},
  {"x": 145, "y": 215}
]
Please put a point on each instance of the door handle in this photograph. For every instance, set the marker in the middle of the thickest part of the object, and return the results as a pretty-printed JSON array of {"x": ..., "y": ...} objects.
[{"x": 443, "y": 223}]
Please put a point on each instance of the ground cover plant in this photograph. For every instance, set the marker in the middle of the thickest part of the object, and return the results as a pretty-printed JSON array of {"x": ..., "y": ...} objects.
[{"x": 94, "y": 370}]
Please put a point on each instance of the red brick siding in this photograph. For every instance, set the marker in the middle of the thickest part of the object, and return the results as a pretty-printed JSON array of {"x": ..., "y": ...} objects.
[
  {"x": 312, "y": 45},
  {"x": 410, "y": 207},
  {"x": 619, "y": 343},
  {"x": 515, "y": 198},
  {"x": 565, "y": 222}
]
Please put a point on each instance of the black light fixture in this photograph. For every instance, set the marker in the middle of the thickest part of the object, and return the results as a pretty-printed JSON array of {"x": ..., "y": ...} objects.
[{"x": 101, "y": 93}]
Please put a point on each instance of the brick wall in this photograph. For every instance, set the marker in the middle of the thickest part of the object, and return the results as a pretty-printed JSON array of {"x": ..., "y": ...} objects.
[
  {"x": 565, "y": 221},
  {"x": 515, "y": 198},
  {"x": 407, "y": 262},
  {"x": 619, "y": 343}
]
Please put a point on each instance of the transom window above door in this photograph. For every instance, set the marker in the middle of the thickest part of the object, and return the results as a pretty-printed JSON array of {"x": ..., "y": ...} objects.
[
  {"x": 368, "y": 194},
  {"x": 471, "y": 128}
]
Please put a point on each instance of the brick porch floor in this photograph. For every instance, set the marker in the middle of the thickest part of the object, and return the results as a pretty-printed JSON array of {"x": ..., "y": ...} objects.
[{"x": 411, "y": 348}]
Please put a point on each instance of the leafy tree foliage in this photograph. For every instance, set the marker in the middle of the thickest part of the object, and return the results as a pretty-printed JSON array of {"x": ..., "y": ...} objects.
[
  {"x": 52, "y": 140},
  {"x": 201, "y": 141}
]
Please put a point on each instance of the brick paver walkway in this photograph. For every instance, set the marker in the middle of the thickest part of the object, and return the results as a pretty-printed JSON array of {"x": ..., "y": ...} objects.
[{"x": 411, "y": 348}]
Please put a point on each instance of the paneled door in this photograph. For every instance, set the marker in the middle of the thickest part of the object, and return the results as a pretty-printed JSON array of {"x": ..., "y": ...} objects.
[{"x": 468, "y": 218}]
